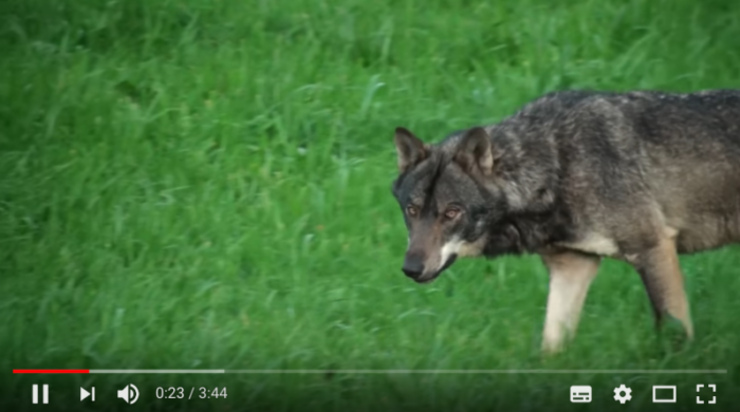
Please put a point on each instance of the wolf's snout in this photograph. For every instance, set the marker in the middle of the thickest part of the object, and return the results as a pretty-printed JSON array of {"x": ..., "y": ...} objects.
[{"x": 413, "y": 266}]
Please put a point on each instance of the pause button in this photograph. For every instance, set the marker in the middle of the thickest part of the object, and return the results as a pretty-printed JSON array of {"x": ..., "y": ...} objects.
[{"x": 44, "y": 394}]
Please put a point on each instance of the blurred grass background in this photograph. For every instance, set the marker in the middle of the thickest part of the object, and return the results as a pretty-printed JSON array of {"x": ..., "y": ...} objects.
[{"x": 206, "y": 184}]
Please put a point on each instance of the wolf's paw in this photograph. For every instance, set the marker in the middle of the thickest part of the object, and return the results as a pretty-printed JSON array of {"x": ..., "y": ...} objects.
[{"x": 673, "y": 336}]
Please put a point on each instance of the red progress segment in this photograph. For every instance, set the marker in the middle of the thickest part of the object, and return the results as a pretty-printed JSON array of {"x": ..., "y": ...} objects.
[{"x": 51, "y": 371}]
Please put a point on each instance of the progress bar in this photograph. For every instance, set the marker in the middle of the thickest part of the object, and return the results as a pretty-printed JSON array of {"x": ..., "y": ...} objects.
[{"x": 375, "y": 371}]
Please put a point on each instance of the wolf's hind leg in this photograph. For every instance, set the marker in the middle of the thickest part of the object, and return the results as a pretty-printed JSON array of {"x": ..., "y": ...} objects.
[
  {"x": 571, "y": 274},
  {"x": 661, "y": 274}
]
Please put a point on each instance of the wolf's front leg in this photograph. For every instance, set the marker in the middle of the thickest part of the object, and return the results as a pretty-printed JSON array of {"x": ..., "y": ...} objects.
[
  {"x": 571, "y": 274},
  {"x": 661, "y": 274}
]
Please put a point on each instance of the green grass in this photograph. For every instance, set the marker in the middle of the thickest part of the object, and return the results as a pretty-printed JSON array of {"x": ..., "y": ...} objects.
[{"x": 206, "y": 184}]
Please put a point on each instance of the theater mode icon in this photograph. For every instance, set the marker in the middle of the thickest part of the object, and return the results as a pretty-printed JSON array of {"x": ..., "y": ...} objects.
[
  {"x": 664, "y": 393},
  {"x": 580, "y": 394}
]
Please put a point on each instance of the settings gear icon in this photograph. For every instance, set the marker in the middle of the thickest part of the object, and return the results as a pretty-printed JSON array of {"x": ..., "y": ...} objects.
[{"x": 622, "y": 394}]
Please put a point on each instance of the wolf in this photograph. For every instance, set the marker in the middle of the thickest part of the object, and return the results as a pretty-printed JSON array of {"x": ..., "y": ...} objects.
[{"x": 575, "y": 177}]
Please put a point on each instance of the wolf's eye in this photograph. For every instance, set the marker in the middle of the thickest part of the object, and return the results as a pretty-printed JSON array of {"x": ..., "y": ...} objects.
[
  {"x": 411, "y": 210},
  {"x": 451, "y": 213}
]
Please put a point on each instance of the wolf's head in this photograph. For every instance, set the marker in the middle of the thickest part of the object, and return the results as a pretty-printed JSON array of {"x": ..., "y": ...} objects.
[{"x": 450, "y": 200}]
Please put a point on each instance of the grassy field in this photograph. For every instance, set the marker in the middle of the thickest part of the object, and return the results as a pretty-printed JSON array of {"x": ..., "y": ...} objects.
[{"x": 206, "y": 184}]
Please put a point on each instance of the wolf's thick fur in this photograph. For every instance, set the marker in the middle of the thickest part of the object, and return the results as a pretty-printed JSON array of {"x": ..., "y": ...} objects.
[{"x": 576, "y": 176}]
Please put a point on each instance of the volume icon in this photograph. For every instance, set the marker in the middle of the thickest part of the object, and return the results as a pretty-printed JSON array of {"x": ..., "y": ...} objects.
[{"x": 130, "y": 393}]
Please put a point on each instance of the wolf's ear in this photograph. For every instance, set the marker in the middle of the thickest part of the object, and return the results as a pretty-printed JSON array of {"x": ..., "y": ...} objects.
[
  {"x": 410, "y": 149},
  {"x": 476, "y": 150}
]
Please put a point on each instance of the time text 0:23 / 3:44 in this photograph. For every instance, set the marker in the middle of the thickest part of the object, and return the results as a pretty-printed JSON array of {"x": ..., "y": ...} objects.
[{"x": 185, "y": 393}]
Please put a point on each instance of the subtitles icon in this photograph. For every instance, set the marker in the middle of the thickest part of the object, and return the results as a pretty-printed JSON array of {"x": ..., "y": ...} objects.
[
  {"x": 580, "y": 394},
  {"x": 664, "y": 398}
]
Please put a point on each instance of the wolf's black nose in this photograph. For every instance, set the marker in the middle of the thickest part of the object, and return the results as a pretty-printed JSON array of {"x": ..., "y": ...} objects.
[
  {"x": 412, "y": 273},
  {"x": 413, "y": 267}
]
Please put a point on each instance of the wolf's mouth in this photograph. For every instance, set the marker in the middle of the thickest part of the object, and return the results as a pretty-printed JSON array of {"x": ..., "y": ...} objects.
[
  {"x": 449, "y": 263},
  {"x": 435, "y": 275}
]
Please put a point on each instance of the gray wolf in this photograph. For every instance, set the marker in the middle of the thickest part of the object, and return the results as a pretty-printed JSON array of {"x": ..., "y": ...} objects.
[{"x": 576, "y": 176}]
